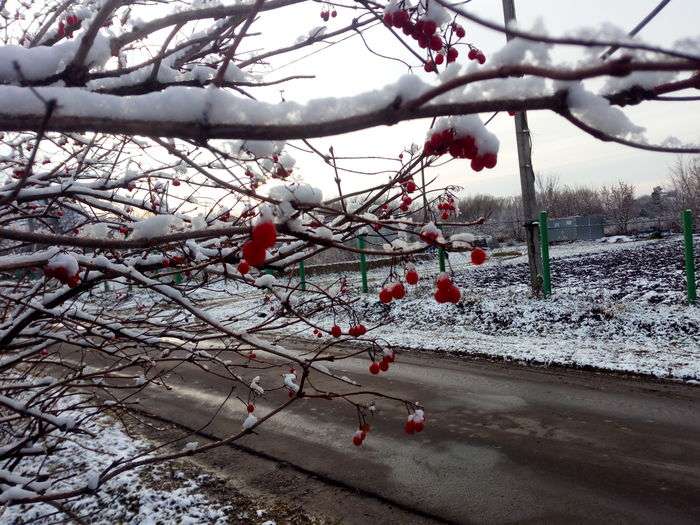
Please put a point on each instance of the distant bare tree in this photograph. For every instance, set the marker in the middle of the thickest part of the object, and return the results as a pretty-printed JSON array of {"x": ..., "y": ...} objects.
[
  {"x": 685, "y": 181},
  {"x": 618, "y": 203}
]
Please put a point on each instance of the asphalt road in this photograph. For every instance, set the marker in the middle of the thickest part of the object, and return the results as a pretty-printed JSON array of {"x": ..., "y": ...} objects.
[{"x": 502, "y": 444}]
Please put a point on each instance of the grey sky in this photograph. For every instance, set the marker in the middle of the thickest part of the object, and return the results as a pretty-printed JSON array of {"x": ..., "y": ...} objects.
[{"x": 348, "y": 68}]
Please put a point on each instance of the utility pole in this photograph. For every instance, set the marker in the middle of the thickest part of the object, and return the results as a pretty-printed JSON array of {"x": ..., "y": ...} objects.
[{"x": 527, "y": 178}]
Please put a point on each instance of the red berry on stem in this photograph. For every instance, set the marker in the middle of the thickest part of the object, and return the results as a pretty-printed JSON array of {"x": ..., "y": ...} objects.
[
  {"x": 472, "y": 54},
  {"x": 385, "y": 296},
  {"x": 388, "y": 19},
  {"x": 374, "y": 368},
  {"x": 435, "y": 43},
  {"x": 251, "y": 407},
  {"x": 459, "y": 31},
  {"x": 452, "y": 54},
  {"x": 357, "y": 440},
  {"x": 398, "y": 291},
  {"x": 478, "y": 256},
  {"x": 477, "y": 163},
  {"x": 243, "y": 267},
  {"x": 429, "y": 66},
  {"x": 439, "y": 58},
  {"x": 412, "y": 277},
  {"x": 383, "y": 365},
  {"x": 481, "y": 58},
  {"x": 254, "y": 253},
  {"x": 429, "y": 27},
  {"x": 336, "y": 331}
]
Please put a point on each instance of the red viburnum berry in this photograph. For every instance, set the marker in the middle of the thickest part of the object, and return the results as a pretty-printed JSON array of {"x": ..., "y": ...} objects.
[
  {"x": 374, "y": 368},
  {"x": 480, "y": 57},
  {"x": 404, "y": 207},
  {"x": 411, "y": 186},
  {"x": 418, "y": 426},
  {"x": 334, "y": 13},
  {"x": 243, "y": 267},
  {"x": 423, "y": 41},
  {"x": 439, "y": 58},
  {"x": 407, "y": 200},
  {"x": 478, "y": 256},
  {"x": 452, "y": 54},
  {"x": 336, "y": 331},
  {"x": 429, "y": 27},
  {"x": 166, "y": 262},
  {"x": 428, "y": 237},
  {"x": 429, "y": 66},
  {"x": 364, "y": 427},
  {"x": 459, "y": 31},
  {"x": 61, "y": 31},
  {"x": 454, "y": 294},
  {"x": 176, "y": 181},
  {"x": 443, "y": 282},
  {"x": 442, "y": 296},
  {"x": 472, "y": 54},
  {"x": 361, "y": 329},
  {"x": 383, "y": 365},
  {"x": 72, "y": 20},
  {"x": 357, "y": 439},
  {"x": 264, "y": 234},
  {"x": 477, "y": 163},
  {"x": 445, "y": 215},
  {"x": 412, "y": 277},
  {"x": 388, "y": 19},
  {"x": 254, "y": 253},
  {"x": 489, "y": 160},
  {"x": 409, "y": 427},
  {"x": 251, "y": 408},
  {"x": 435, "y": 43},
  {"x": 385, "y": 296},
  {"x": 398, "y": 291}
]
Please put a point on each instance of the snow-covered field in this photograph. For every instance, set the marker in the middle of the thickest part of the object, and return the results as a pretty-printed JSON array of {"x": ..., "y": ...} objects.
[{"x": 617, "y": 306}]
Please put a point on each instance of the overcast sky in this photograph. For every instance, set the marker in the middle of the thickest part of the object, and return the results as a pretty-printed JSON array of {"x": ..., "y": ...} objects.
[{"x": 560, "y": 149}]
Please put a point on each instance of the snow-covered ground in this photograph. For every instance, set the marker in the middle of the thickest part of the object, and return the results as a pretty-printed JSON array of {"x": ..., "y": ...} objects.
[
  {"x": 145, "y": 495},
  {"x": 618, "y": 306}
]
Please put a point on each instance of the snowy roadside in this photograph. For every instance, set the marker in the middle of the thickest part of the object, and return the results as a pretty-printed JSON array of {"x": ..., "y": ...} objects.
[{"x": 175, "y": 492}]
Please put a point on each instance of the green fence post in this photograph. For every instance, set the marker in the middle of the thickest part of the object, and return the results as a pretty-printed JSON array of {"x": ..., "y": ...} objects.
[
  {"x": 544, "y": 249},
  {"x": 441, "y": 258},
  {"x": 302, "y": 275},
  {"x": 363, "y": 263},
  {"x": 689, "y": 259}
]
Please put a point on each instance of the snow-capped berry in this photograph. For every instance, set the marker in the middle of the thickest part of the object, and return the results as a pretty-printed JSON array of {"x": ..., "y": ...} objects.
[
  {"x": 243, "y": 267},
  {"x": 385, "y": 295},
  {"x": 398, "y": 291},
  {"x": 452, "y": 54},
  {"x": 478, "y": 256},
  {"x": 72, "y": 20},
  {"x": 264, "y": 234},
  {"x": 357, "y": 439},
  {"x": 409, "y": 427},
  {"x": 412, "y": 277},
  {"x": 251, "y": 408},
  {"x": 374, "y": 368}
]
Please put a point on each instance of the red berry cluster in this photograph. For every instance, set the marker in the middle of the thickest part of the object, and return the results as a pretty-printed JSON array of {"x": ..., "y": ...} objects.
[
  {"x": 263, "y": 236},
  {"x": 383, "y": 365},
  {"x": 326, "y": 14},
  {"x": 406, "y": 201},
  {"x": 392, "y": 291},
  {"x": 446, "y": 291},
  {"x": 61, "y": 273},
  {"x": 409, "y": 186},
  {"x": 360, "y": 435},
  {"x": 425, "y": 32},
  {"x": 446, "y": 207},
  {"x": 66, "y": 28},
  {"x": 415, "y": 422},
  {"x": 478, "y": 256},
  {"x": 173, "y": 261},
  {"x": 447, "y": 141},
  {"x": 357, "y": 330},
  {"x": 476, "y": 54}
]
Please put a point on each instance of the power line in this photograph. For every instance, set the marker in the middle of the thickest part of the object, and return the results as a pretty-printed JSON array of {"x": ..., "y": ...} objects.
[{"x": 638, "y": 27}]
